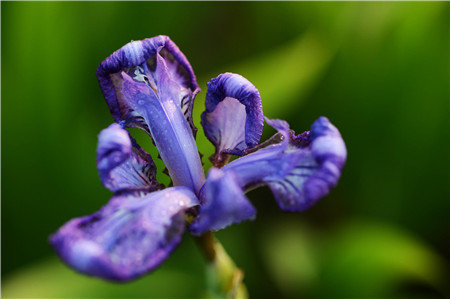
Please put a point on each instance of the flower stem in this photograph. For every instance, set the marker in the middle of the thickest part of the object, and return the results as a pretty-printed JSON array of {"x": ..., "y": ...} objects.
[{"x": 225, "y": 280}]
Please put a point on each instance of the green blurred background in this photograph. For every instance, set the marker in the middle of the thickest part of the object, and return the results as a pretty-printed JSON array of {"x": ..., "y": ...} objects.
[{"x": 379, "y": 71}]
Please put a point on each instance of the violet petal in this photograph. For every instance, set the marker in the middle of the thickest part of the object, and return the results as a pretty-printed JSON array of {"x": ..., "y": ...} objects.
[
  {"x": 299, "y": 170},
  {"x": 128, "y": 237},
  {"x": 222, "y": 203},
  {"x": 149, "y": 84},
  {"x": 233, "y": 119},
  {"x": 122, "y": 164}
]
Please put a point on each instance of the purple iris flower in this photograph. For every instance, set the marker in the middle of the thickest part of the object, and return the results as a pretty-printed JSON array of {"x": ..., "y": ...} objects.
[{"x": 150, "y": 85}]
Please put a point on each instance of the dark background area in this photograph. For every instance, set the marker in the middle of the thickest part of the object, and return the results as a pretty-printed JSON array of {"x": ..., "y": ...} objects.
[{"x": 378, "y": 71}]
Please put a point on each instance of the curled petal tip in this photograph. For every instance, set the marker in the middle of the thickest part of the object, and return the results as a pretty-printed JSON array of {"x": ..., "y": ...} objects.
[
  {"x": 122, "y": 164},
  {"x": 137, "y": 52},
  {"x": 133, "y": 58},
  {"x": 328, "y": 143},
  {"x": 322, "y": 126},
  {"x": 114, "y": 147}
]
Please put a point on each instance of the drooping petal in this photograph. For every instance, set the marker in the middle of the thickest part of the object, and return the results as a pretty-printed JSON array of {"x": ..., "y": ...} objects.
[
  {"x": 122, "y": 164},
  {"x": 149, "y": 84},
  {"x": 222, "y": 203},
  {"x": 298, "y": 169},
  {"x": 233, "y": 119},
  {"x": 128, "y": 237}
]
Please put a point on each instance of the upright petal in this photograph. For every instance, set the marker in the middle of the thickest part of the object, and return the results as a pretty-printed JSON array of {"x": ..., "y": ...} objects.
[
  {"x": 122, "y": 164},
  {"x": 299, "y": 170},
  {"x": 149, "y": 84},
  {"x": 128, "y": 237},
  {"x": 222, "y": 203},
  {"x": 130, "y": 59},
  {"x": 233, "y": 119}
]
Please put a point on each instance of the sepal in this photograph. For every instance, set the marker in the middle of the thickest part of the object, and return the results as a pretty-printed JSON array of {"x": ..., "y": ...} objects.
[
  {"x": 128, "y": 237},
  {"x": 300, "y": 169}
]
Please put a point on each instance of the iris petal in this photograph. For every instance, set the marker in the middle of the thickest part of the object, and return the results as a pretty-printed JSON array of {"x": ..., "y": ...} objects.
[
  {"x": 131, "y": 58},
  {"x": 222, "y": 203},
  {"x": 122, "y": 164},
  {"x": 149, "y": 84},
  {"x": 233, "y": 119},
  {"x": 300, "y": 169},
  {"x": 128, "y": 237}
]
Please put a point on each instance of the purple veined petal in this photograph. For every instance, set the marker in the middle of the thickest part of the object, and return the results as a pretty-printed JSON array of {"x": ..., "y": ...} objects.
[
  {"x": 149, "y": 84},
  {"x": 130, "y": 59},
  {"x": 122, "y": 164},
  {"x": 128, "y": 237},
  {"x": 233, "y": 119},
  {"x": 222, "y": 203},
  {"x": 299, "y": 170}
]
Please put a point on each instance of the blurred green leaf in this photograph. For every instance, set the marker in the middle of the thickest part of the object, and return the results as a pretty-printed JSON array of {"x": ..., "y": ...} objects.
[
  {"x": 374, "y": 260},
  {"x": 360, "y": 260},
  {"x": 285, "y": 73},
  {"x": 52, "y": 279},
  {"x": 291, "y": 257}
]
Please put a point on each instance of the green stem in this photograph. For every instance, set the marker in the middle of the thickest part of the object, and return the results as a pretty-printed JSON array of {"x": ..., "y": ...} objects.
[{"x": 224, "y": 278}]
